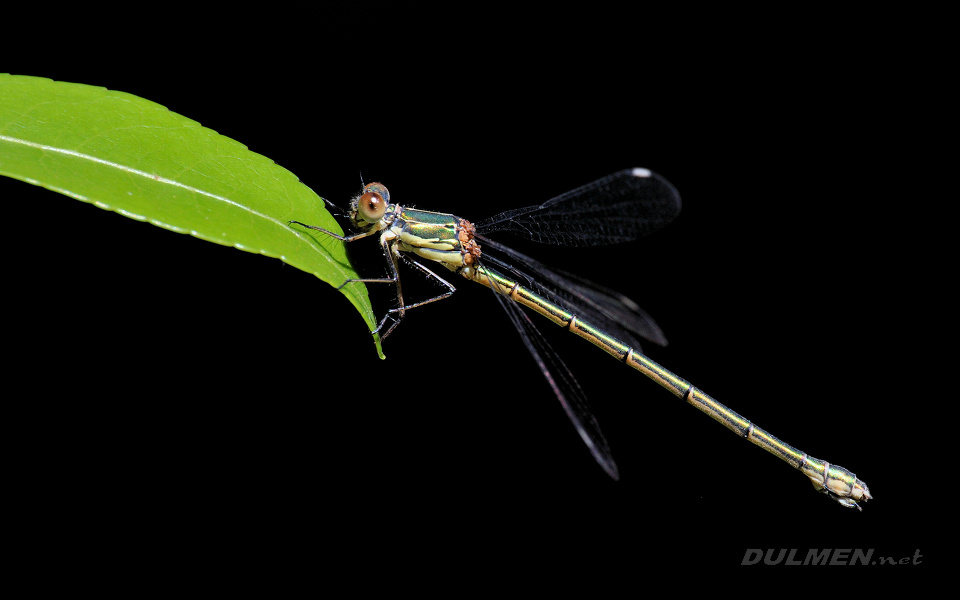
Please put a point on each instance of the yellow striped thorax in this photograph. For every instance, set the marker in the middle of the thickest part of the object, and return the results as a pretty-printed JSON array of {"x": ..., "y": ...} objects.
[{"x": 439, "y": 237}]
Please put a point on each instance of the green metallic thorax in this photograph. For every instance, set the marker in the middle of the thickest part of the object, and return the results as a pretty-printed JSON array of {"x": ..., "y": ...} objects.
[{"x": 432, "y": 235}]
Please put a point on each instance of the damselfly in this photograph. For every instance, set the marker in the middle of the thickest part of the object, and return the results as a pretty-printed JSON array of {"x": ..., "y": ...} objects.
[{"x": 618, "y": 208}]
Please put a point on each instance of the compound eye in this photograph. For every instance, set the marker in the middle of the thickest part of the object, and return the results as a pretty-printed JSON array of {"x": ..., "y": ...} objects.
[{"x": 373, "y": 202}]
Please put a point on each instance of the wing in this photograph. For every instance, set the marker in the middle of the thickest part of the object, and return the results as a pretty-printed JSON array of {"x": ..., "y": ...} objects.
[
  {"x": 617, "y": 208},
  {"x": 564, "y": 386},
  {"x": 617, "y": 314}
]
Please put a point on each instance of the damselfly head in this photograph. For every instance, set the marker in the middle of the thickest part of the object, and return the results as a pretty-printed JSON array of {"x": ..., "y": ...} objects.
[{"x": 372, "y": 203}]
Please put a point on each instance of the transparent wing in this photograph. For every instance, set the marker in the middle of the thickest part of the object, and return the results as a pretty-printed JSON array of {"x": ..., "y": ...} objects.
[
  {"x": 617, "y": 208},
  {"x": 616, "y": 313},
  {"x": 564, "y": 386}
]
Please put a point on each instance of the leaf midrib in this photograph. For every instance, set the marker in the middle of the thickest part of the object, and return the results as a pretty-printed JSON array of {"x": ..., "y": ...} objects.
[{"x": 134, "y": 171}]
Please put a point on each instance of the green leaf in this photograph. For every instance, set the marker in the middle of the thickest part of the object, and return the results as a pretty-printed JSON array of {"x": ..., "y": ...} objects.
[{"x": 135, "y": 157}]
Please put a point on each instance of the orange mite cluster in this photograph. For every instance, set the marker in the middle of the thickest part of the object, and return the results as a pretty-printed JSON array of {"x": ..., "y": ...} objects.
[{"x": 468, "y": 246}]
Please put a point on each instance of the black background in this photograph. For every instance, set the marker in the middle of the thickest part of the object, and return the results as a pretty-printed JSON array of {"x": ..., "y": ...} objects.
[{"x": 189, "y": 401}]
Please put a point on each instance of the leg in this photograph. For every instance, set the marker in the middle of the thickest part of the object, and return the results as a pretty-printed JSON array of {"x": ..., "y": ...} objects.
[
  {"x": 394, "y": 277},
  {"x": 401, "y": 311},
  {"x": 352, "y": 238},
  {"x": 342, "y": 238}
]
